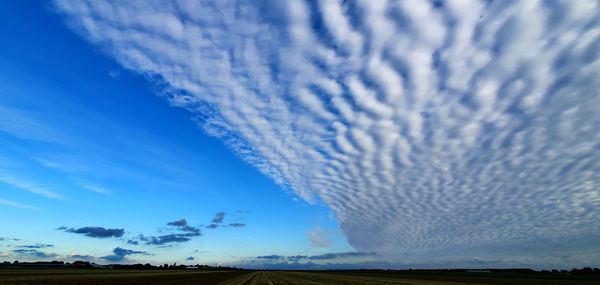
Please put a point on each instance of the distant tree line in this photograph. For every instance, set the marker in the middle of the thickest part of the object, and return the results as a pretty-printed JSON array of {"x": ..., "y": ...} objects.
[
  {"x": 175, "y": 266},
  {"x": 584, "y": 270},
  {"x": 90, "y": 265}
]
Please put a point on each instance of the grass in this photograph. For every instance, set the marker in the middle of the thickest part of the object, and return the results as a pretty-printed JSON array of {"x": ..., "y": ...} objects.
[
  {"x": 160, "y": 277},
  {"x": 116, "y": 277}
]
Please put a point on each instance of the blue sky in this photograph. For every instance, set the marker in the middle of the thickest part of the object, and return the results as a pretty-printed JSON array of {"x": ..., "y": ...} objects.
[
  {"x": 87, "y": 143},
  {"x": 285, "y": 134}
]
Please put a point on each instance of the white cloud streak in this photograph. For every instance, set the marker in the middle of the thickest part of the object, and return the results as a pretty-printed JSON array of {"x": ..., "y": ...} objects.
[
  {"x": 318, "y": 237},
  {"x": 429, "y": 127},
  {"x": 35, "y": 189},
  {"x": 96, "y": 189},
  {"x": 17, "y": 205}
]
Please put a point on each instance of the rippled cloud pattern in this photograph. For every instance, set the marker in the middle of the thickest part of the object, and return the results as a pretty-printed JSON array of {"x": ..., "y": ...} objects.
[{"x": 432, "y": 129}]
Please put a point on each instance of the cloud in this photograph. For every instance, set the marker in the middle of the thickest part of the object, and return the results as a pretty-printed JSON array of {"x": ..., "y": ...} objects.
[
  {"x": 120, "y": 254},
  {"x": 270, "y": 257},
  {"x": 321, "y": 257},
  {"x": 237, "y": 225},
  {"x": 179, "y": 223},
  {"x": 95, "y": 232},
  {"x": 37, "y": 190},
  {"x": 219, "y": 217},
  {"x": 318, "y": 237},
  {"x": 297, "y": 257},
  {"x": 27, "y": 125},
  {"x": 217, "y": 220},
  {"x": 17, "y": 205},
  {"x": 9, "y": 239},
  {"x": 122, "y": 251},
  {"x": 339, "y": 255},
  {"x": 36, "y": 246},
  {"x": 81, "y": 257},
  {"x": 182, "y": 225},
  {"x": 534, "y": 263},
  {"x": 431, "y": 131},
  {"x": 318, "y": 266},
  {"x": 116, "y": 74},
  {"x": 190, "y": 258},
  {"x": 96, "y": 189},
  {"x": 33, "y": 253},
  {"x": 165, "y": 239}
]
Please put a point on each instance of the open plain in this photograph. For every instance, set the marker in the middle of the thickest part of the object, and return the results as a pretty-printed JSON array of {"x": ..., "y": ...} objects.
[{"x": 185, "y": 277}]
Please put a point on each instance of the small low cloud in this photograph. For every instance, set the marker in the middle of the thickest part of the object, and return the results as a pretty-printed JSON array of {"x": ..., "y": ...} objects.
[
  {"x": 178, "y": 223},
  {"x": 190, "y": 258},
  {"x": 297, "y": 257},
  {"x": 270, "y": 257},
  {"x": 318, "y": 237},
  {"x": 9, "y": 239},
  {"x": 217, "y": 220},
  {"x": 165, "y": 239},
  {"x": 36, "y": 246},
  {"x": 237, "y": 225},
  {"x": 33, "y": 253},
  {"x": 95, "y": 232},
  {"x": 339, "y": 255},
  {"x": 326, "y": 256},
  {"x": 219, "y": 217},
  {"x": 186, "y": 233},
  {"x": 119, "y": 254},
  {"x": 183, "y": 226},
  {"x": 81, "y": 257}
]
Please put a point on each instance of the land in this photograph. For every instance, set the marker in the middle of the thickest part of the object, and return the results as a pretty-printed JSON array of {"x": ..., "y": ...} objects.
[{"x": 230, "y": 277}]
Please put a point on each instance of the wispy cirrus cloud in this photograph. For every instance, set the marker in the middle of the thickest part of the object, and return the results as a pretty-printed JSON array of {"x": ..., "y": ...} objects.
[
  {"x": 26, "y": 125},
  {"x": 97, "y": 189},
  {"x": 432, "y": 129},
  {"x": 35, "y": 189},
  {"x": 18, "y": 205},
  {"x": 318, "y": 237}
]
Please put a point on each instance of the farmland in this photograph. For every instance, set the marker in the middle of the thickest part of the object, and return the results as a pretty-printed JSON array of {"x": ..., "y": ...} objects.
[{"x": 183, "y": 277}]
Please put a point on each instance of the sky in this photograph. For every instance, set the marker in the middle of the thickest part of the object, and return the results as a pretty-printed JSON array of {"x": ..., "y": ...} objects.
[{"x": 301, "y": 134}]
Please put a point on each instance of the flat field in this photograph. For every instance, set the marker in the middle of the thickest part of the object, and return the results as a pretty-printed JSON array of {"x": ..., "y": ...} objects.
[{"x": 160, "y": 277}]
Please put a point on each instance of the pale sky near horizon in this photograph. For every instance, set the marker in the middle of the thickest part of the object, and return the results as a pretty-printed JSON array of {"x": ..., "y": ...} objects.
[{"x": 301, "y": 134}]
